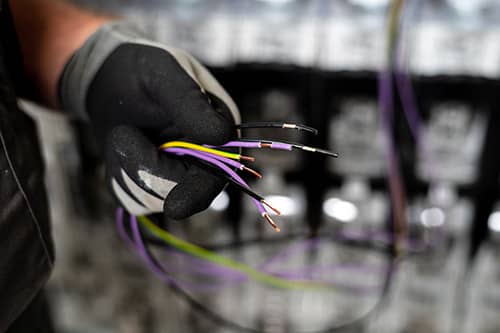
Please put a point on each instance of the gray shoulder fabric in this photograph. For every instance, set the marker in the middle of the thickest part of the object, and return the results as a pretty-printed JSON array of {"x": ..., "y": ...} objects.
[{"x": 85, "y": 63}]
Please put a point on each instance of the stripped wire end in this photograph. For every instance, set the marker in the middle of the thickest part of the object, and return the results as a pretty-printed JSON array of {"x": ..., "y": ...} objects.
[
  {"x": 301, "y": 128},
  {"x": 271, "y": 222},
  {"x": 273, "y": 124},
  {"x": 253, "y": 172},
  {"x": 264, "y": 202},
  {"x": 266, "y": 145},
  {"x": 328, "y": 153},
  {"x": 317, "y": 150},
  {"x": 247, "y": 158}
]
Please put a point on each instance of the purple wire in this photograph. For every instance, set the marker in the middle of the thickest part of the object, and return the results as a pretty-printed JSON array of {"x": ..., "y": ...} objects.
[
  {"x": 186, "y": 263},
  {"x": 287, "y": 275},
  {"x": 385, "y": 96},
  {"x": 121, "y": 228},
  {"x": 301, "y": 246},
  {"x": 406, "y": 91},
  {"x": 157, "y": 269},
  {"x": 331, "y": 268},
  {"x": 208, "y": 158},
  {"x": 242, "y": 144},
  {"x": 281, "y": 146},
  {"x": 386, "y": 107},
  {"x": 141, "y": 250},
  {"x": 226, "y": 160},
  {"x": 357, "y": 289},
  {"x": 256, "y": 144},
  {"x": 414, "y": 245},
  {"x": 408, "y": 102},
  {"x": 403, "y": 82},
  {"x": 226, "y": 273},
  {"x": 305, "y": 273},
  {"x": 196, "y": 266}
]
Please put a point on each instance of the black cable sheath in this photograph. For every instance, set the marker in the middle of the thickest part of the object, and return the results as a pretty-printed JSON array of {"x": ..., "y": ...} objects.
[
  {"x": 299, "y": 127},
  {"x": 219, "y": 173},
  {"x": 294, "y": 145},
  {"x": 354, "y": 325}
]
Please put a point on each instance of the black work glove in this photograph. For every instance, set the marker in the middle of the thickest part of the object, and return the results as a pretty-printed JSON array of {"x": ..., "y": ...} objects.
[{"x": 137, "y": 95}]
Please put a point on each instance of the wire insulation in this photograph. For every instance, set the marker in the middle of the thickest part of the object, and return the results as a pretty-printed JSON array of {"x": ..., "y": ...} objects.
[
  {"x": 233, "y": 175},
  {"x": 193, "y": 146},
  {"x": 200, "y": 252},
  {"x": 298, "y": 127}
]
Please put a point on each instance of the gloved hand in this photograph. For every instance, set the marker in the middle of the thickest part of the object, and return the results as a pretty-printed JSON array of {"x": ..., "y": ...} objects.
[{"x": 138, "y": 94}]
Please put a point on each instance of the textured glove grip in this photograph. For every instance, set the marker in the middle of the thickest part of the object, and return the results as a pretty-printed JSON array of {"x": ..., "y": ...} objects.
[{"x": 85, "y": 63}]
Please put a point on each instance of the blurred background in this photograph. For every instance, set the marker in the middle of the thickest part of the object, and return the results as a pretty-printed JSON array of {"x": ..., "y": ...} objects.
[{"x": 405, "y": 224}]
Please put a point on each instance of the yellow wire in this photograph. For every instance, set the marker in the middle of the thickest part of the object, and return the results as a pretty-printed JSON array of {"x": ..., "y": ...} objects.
[
  {"x": 210, "y": 256},
  {"x": 189, "y": 145}
]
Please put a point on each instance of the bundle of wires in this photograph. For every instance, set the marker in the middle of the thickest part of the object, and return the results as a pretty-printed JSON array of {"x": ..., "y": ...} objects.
[
  {"x": 188, "y": 267},
  {"x": 224, "y": 164},
  {"x": 193, "y": 271},
  {"x": 221, "y": 162}
]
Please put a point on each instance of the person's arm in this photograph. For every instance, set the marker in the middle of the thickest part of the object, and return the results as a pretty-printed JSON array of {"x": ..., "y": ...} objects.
[
  {"x": 49, "y": 32},
  {"x": 136, "y": 94}
]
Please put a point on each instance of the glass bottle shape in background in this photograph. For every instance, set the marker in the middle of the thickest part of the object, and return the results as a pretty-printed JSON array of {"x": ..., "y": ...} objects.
[
  {"x": 355, "y": 133},
  {"x": 483, "y": 301},
  {"x": 427, "y": 295},
  {"x": 354, "y": 213}
]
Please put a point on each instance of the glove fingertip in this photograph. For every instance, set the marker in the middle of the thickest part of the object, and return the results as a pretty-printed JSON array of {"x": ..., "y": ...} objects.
[
  {"x": 220, "y": 134},
  {"x": 176, "y": 209},
  {"x": 213, "y": 129},
  {"x": 192, "y": 195}
]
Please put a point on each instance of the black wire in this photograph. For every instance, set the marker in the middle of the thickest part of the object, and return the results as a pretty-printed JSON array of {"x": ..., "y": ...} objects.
[
  {"x": 196, "y": 305},
  {"x": 234, "y": 245},
  {"x": 219, "y": 173},
  {"x": 294, "y": 145},
  {"x": 220, "y": 320},
  {"x": 326, "y": 152},
  {"x": 266, "y": 124}
]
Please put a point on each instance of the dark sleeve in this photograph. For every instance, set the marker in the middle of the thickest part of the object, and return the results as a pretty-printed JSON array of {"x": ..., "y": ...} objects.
[
  {"x": 26, "y": 248},
  {"x": 12, "y": 52},
  {"x": 25, "y": 237}
]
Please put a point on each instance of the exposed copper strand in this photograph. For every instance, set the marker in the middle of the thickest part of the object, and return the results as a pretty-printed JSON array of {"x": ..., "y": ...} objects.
[
  {"x": 255, "y": 173},
  {"x": 264, "y": 202},
  {"x": 247, "y": 158},
  {"x": 271, "y": 222}
]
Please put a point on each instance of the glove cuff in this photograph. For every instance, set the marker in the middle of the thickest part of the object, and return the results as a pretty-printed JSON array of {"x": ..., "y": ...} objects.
[{"x": 86, "y": 61}]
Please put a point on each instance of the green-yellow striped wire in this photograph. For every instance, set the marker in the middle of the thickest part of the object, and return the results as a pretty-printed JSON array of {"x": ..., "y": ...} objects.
[{"x": 210, "y": 256}]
